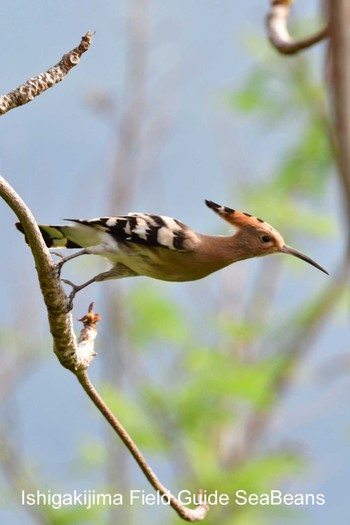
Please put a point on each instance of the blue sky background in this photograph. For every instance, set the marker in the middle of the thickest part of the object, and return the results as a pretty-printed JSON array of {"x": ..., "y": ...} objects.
[{"x": 55, "y": 152}]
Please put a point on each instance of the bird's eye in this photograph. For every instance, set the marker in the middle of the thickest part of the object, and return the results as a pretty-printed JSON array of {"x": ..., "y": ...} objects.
[{"x": 266, "y": 238}]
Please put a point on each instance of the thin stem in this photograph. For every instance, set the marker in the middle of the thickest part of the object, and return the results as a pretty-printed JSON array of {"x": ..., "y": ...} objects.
[{"x": 187, "y": 514}]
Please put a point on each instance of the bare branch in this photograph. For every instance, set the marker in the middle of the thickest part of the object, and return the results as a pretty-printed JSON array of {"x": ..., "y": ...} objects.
[
  {"x": 70, "y": 354},
  {"x": 277, "y": 27},
  {"x": 37, "y": 85},
  {"x": 185, "y": 513}
]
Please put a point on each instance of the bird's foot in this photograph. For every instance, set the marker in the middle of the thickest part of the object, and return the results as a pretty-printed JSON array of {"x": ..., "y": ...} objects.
[
  {"x": 58, "y": 254},
  {"x": 75, "y": 290},
  {"x": 63, "y": 259},
  {"x": 59, "y": 264}
]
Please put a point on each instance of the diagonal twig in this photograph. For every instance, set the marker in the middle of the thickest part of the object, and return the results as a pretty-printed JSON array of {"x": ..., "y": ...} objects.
[
  {"x": 184, "y": 512},
  {"x": 37, "y": 85},
  {"x": 278, "y": 33}
]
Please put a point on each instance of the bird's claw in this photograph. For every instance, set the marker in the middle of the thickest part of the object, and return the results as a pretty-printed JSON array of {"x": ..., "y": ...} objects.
[
  {"x": 59, "y": 264},
  {"x": 75, "y": 290},
  {"x": 63, "y": 259},
  {"x": 58, "y": 254}
]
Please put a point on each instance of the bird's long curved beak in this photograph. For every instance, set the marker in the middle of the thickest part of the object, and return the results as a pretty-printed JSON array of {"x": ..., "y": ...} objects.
[{"x": 292, "y": 251}]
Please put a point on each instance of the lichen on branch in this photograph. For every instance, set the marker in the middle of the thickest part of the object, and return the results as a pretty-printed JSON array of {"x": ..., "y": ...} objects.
[{"x": 37, "y": 85}]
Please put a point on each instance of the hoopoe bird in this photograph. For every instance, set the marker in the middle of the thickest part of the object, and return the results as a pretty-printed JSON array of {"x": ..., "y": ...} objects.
[{"x": 165, "y": 248}]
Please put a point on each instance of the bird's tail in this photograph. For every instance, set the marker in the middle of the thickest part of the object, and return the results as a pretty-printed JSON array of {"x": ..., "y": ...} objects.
[{"x": 57, "y": 236}]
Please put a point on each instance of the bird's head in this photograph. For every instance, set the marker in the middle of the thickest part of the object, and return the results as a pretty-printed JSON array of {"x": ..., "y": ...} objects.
[{"x": 255, "y": 237}]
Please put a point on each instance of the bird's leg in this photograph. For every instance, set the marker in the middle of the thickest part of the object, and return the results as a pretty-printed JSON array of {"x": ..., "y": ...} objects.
[
  {"x": 67, "y": 258},
  {"x": 109, "y": 274},
  {"x": 76, "y": 288}
]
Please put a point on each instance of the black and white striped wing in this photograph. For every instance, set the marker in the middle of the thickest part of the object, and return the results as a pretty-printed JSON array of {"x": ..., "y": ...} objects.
[{"x": 145, "y": 229}]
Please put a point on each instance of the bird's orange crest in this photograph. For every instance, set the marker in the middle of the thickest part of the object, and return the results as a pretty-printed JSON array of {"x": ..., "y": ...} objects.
[{"x": 234, "y": 217}]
